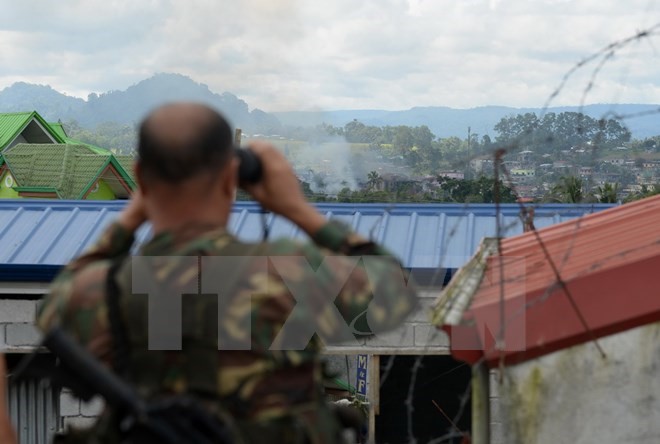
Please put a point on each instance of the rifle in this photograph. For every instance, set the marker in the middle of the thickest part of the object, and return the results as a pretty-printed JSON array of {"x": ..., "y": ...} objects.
[{"x": 170, "y": 420}]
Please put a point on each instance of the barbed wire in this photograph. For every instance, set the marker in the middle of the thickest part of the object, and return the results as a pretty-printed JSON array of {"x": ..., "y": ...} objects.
[
  {"x": 601, "y": 58},
  {"x": 559, "y": 282}
]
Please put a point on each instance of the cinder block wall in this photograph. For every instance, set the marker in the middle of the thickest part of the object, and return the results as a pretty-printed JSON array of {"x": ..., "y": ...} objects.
[
  {"x": 19, "y": 335},
  {"x": 17, "y": 331},
  {"x": 78, "y": 414},
  {"x": 416, "y": 336}
]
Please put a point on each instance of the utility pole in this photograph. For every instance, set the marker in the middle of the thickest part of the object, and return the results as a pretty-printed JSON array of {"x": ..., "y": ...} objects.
[
  {"x": 238, "y": 134},
  {"x": 469, "y": 139}
]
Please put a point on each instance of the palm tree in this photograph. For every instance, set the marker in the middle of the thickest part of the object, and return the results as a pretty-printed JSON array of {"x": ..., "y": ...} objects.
[
  {"x": 608, "y": 193},
  {"x": 373, "y": 180},
  {"x": 568, "y": 190}
]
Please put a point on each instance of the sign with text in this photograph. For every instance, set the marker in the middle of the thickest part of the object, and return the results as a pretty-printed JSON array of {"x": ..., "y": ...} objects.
[{"x": 362, "y": 375}]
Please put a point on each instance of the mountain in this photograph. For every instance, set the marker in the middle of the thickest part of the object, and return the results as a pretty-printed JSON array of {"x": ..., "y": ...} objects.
[
  {"x": 129, "y": 106},
  {"x": 43, "y": 99},
  {"x": 642, "y": 121},
  {"x": 132, "y": 105}
]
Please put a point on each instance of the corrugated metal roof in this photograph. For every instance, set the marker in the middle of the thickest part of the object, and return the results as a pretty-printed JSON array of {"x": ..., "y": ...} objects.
[
  {"x": 58, "y": 128},
  {"x": 11, "y": 124},
  {"x": 608, "y": 264},
  {"x": 47, "y": 232}
]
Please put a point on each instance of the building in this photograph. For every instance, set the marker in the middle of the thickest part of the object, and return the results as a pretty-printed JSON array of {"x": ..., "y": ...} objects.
[
  {"x": 62, "y": 171},
  {"x": 433, "y": 241},
  {"x": 26, "y": 127},
  {"x": 522, "y": 176},
  {"x": 38, "y": 159},
  {"x": 567, "y": 319}
]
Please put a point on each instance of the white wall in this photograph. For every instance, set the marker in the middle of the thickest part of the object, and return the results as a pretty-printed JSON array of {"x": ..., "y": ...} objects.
[{"x": 575, "y": 396}]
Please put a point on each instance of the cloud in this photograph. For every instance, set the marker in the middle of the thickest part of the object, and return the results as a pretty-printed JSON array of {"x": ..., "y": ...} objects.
[{"x": 296, "y": 54}]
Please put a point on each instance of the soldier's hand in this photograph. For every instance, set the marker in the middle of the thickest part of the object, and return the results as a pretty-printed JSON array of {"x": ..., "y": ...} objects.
[
  {"x": 279, "y": 190},
  {"x": 134, "y": 214}
]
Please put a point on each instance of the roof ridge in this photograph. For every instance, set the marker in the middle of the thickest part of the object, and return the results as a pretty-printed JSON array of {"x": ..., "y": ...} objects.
[{"x": 15, "y": 113}]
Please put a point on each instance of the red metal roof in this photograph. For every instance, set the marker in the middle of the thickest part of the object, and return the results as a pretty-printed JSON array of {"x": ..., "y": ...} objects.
[{"x": 610, "y": 265}]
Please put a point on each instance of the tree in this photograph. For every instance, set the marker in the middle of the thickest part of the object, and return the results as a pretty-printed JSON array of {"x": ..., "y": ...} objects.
[
  {"x": 373, "y": 180},
  {"x": 358, "y": 132},
  {"x": 568, "y": 190},
  {"x": 608, "y": 193},
  {"x": 403, "y": 139},
  {"x": 555, "y": 132},
  {"x": 481, "y": 190}
]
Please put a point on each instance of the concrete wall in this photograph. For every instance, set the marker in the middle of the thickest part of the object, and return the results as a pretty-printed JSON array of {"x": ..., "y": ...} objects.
[
  {"x": 19, "y": 335},
  {"x": 416, "y": 336},
  {"x": 576, "y": 396},
  {"x": 17, "y": 331}
]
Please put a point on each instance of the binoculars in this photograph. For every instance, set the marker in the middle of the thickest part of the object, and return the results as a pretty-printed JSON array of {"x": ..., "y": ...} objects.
[{"x": 250, "y": 169}]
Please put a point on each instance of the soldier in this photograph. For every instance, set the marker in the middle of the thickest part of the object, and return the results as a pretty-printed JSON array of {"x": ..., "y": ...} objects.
[{"x": 254, "y": 354}]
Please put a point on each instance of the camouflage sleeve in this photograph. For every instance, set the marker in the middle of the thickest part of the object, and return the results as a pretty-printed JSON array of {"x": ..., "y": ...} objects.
[
  {"x": 348, "y": 275},
  {"x": 76, "y": 300},
  {"x": 378, "y": 294}
]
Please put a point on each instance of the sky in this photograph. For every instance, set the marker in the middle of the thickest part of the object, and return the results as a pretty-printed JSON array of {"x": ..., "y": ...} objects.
[{"x": 284, "y": 55}]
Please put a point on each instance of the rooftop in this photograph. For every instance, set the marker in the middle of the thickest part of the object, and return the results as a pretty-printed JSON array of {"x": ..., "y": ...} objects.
[
  {"x": 67, "y": 168},
  {"x": 563, "y": 285},
  {"x": 48, "y": 233}
]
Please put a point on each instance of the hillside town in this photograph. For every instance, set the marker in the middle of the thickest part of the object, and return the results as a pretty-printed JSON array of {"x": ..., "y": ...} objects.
[
  {"x": 412, "y": 165},
  {"x": 58, "y": 193}
]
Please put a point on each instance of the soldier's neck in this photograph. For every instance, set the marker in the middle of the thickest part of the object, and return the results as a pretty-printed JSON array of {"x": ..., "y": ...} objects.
[{"x": 178, "y": 214}]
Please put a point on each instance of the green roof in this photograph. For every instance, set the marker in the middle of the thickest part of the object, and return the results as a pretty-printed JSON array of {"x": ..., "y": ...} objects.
[
  {"x": 127, "y": 162},
  {"x": 58, "y": 128},
  {"x": 37, "y": 190},
  {"x": 70, "y": 169},
  {"x": 12, "y": 124},
  {"x": 94, "y": 148}
]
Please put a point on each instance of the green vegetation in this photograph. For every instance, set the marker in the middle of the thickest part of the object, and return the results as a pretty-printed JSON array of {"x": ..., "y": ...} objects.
[
  {"x": 117, "y": 137},
  {"x": 365, "y": 163},
  {"x": 553, "y": 133}
]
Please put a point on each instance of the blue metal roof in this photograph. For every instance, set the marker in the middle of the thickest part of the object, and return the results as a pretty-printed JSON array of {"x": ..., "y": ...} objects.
[{"x": 38, "y": 235}]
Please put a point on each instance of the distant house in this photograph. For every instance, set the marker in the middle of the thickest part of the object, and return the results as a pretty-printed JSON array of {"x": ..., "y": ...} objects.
[
  {"x": 452, "y": 174},
  {"x": 397, "y": 182},
  {"x": 481, "y": 164},
  {"x": 26, "y": 127},
  {"x": 586, "y": 171},
  {"x": 523, "y": 173},
  {"x": 63, "y": 171},
  {"x": 39, "y": 159}
]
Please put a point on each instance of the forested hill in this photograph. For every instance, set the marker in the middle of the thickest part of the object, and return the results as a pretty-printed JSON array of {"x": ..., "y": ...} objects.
[
  {"x": 451, "y": 122},
  {"x": 128, "y": 107}
]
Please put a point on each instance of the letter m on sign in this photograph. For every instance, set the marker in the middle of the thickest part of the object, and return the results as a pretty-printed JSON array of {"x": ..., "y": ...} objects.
[{"x": 362, "y": 375}]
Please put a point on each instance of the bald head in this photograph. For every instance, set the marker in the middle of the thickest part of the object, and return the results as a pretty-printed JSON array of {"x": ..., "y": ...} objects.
[{"x": 179, "y": 141}]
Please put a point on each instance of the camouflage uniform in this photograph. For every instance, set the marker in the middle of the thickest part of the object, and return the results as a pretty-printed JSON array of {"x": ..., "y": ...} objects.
[{"x": 275, "y": 395}]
